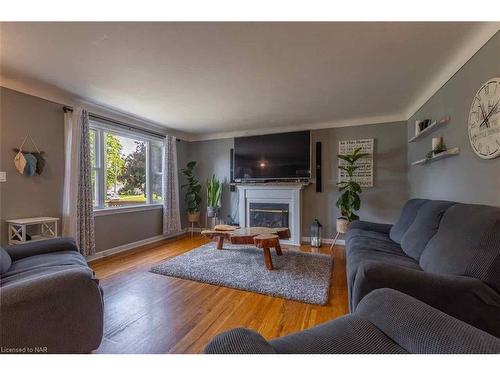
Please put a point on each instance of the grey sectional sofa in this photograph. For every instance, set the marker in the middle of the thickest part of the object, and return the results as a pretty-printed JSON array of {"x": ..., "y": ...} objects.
[
  {"x": 445, "y": 254},
  {"x": 49, "y": 299},
  {"x": 385, "y": 321}
]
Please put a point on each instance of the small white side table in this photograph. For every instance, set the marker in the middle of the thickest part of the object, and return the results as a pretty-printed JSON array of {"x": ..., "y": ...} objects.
[{"x": 18, "y": 227}]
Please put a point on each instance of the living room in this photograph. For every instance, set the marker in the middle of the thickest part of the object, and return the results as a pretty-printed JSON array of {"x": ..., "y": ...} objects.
[{"x": 250, "y": 188}]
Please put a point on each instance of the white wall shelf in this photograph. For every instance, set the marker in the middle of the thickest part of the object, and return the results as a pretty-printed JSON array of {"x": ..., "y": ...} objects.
[
  {"x": 442, "y": 155},
  {"x": 435, "y": 125}
]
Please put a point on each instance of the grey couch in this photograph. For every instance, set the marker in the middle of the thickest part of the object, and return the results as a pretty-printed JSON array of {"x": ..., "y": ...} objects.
[
  {"x": 49, "y": 299},
  {"x": 385, "y": 321},
  {"x": 445, "y": 254}
]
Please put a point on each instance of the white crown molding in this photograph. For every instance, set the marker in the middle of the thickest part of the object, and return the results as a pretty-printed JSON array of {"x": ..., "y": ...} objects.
[
  {"x": 360, "y": 121},
  {"x": 454, "y": 65},
  {"x": 57, "y": 95}
]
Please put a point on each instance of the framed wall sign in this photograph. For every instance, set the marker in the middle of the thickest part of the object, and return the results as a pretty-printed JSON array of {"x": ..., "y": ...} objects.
[{"x": 364, "y": 174}]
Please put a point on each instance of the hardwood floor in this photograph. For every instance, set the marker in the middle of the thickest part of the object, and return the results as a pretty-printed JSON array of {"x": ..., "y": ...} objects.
[{"x": 150, "y": 313}]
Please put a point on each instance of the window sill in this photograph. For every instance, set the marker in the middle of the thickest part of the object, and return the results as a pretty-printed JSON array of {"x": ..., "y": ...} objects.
[{"x": 126, "y": 209}]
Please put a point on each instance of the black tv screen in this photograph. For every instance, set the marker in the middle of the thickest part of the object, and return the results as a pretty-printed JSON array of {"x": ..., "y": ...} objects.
[{"x": 273, "y": 156}]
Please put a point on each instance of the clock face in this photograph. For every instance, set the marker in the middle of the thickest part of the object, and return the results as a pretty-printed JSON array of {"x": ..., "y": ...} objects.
[{"x": 484, "y": 120}]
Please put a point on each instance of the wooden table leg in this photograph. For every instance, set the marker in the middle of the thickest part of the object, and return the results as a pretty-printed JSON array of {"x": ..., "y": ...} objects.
[
  {"x": 267, "y": 258},
  {"x": 220, "y": 242},
  {"x": 278, "y": 249}
]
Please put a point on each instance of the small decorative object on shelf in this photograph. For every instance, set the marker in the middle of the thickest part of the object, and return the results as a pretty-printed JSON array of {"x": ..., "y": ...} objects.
[
  {"x": 430, "y": 128},
  {"x": 431, "y": 157},
  {"x": 18, "y": 229},
  {"x": 421, "y": 125},
  {"x": 437, "y": 147},
  {"x": 316, "y": 233}
]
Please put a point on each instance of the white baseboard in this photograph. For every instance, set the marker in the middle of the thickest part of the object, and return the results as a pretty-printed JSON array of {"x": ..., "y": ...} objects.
[
  {"x": 132, "y": 245},
  {"x": 324, "y": 240},
  {"x": 303, "y": 239},
  {"x": 147, "y": 241}
]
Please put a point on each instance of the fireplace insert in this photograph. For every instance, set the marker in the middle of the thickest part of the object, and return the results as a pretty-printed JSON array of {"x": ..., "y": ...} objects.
[{"x": 271, "y": 215}]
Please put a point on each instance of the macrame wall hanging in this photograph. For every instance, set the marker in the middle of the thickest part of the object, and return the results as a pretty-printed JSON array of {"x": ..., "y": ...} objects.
[{"x": 29, "y": 162}]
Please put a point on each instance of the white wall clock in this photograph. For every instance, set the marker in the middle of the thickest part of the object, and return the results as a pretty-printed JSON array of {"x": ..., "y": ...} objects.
[{"x": 484, "y": 120}]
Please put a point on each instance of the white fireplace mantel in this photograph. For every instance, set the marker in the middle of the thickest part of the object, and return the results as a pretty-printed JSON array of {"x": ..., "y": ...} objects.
[{"x": 289, "y": 193}]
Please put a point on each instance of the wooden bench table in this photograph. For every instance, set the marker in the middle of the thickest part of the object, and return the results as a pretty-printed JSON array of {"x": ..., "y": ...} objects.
[{"x": 261, "y": 237}]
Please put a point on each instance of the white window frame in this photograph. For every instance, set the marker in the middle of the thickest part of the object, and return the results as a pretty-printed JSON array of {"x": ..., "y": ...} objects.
[{"x": 99, "y": 168}]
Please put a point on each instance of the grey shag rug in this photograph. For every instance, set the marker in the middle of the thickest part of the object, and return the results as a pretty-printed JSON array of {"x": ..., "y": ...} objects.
[{"x": 297, "y": 275}]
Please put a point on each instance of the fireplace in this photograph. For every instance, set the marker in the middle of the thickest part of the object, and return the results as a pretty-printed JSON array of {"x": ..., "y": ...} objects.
[
  {"x": 271, "y": 205},
  {"x": 271, "y": 215}
]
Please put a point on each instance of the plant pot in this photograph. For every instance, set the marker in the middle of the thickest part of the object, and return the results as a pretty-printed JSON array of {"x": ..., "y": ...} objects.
[
  {"x": 193, "y": 217},
  {"x": 211, "y": 211},
  {"x": 343, "y": 225}
]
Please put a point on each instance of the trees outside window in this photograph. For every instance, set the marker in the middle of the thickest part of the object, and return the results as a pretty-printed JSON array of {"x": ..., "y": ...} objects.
[{"x": 132, "y": 170}]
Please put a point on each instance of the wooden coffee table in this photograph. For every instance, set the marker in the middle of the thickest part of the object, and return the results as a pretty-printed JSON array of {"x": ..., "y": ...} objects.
[{"x": 261, "y": 237}]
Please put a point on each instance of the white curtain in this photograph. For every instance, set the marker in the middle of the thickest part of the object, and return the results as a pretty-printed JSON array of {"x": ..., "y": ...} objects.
[
  {"x": 171, "y": 214},
  {"x": 70, "y": 194},
  {"x": 78, "y": 215}
]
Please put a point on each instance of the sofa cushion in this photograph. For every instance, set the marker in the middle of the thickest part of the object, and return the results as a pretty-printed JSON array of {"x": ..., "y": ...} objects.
[
  {"x": 378, "y": 245},
  {"x": 360, "y": 249},
  {"x": 366, "y": 234},
  {"x": 5, "y": 261},
  {"x": 421, "y": 329},
  {"x": 424, "y": 227},
  {"x": 239, "y": 341},
  {"x": 368, "y": 225},
  {"x": 408, "y": 214},
  {"x": 345, "y": 335},
  {"x": 467, "y": 243},
  {"x": 60, "y": 258}
]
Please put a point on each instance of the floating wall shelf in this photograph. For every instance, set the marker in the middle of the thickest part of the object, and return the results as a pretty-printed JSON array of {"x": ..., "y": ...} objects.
[
  {"x": 435, "y": 125},
  {"x": 442, "y": 155}
]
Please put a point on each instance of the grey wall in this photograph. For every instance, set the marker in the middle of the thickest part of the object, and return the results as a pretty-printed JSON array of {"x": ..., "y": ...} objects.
[
  {"x": 212, "y": 157},
  {"x": 41, "y": 195},
  {"x": 124, "y": 228},
  {"x": 22, "y": 196},
  {"x": 463, "y": 178},
  {"x": 381, "y": 203}
]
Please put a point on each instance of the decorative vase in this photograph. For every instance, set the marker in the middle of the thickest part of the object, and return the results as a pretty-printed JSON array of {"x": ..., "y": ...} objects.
[
  {"x": 343, "y": 225},
  {"x": 211, "y": 211},
  {"x": 193, "y": 217}
]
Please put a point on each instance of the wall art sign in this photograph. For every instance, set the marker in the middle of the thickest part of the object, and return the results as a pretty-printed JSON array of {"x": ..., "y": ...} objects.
[{"x": 364, "y": 174}]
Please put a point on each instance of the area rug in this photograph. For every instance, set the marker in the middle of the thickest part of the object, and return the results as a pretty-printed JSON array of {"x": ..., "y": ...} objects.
[{"x": 297, "y": 276}]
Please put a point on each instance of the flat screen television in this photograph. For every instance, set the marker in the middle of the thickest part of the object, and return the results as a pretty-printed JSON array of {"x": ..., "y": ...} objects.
[{"x": 284, "y": 156}]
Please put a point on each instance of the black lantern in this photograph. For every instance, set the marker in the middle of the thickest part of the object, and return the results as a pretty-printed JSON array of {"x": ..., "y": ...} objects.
[{"x": 316, "y": 233}]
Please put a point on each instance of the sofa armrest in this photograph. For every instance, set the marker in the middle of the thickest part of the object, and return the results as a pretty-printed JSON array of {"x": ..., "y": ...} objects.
[
  {"x": 61, "y": 311},
  {"x": 239, "y": 341},
  {"x": 41, "y": 247},
  {"x": 421, "y": 329},
  {"x": 464, "y": 298},
  {"x": 367, "y": 225}
]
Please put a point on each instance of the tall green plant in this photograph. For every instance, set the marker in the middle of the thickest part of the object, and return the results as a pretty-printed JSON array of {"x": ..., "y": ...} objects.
[
  {"x": 349, "y": 200},
  {"x": 193, "y": 189},
  {"x": 214, "y": 192}
]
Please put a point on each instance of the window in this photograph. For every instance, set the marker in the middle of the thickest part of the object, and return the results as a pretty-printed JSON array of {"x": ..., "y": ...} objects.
[{"x": 127, "y": 166}]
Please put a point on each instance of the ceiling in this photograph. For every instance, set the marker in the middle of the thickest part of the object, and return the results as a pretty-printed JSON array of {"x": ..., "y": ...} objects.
[{"x": 208, "y": 79}]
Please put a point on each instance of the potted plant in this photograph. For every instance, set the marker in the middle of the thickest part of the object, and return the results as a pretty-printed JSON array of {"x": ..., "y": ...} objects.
[
  {"x": 349, "y": 200},
  {"x": 193, "y": 190},
  {"x": 214, "y": 194}
]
